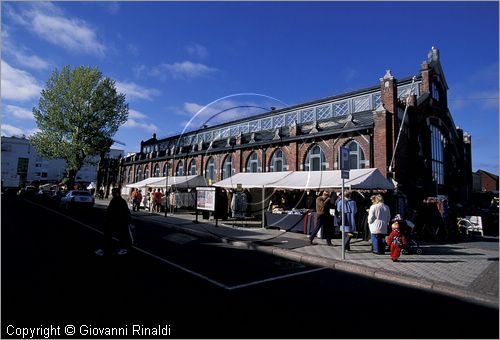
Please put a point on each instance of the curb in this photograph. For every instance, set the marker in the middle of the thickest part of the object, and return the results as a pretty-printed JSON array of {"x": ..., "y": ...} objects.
[{"x": 353, "y": 268}]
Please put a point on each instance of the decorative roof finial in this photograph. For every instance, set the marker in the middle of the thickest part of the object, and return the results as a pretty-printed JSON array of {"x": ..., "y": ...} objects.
[
  {"x": 388, "y": 75},
  {"x": 433, "y": 54}
]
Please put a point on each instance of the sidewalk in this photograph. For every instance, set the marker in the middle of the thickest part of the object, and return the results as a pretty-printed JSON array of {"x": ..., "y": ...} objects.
[{"x": 468, "y": 271}]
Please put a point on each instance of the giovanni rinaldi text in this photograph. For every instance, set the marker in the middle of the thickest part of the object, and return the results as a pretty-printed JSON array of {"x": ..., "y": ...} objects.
[{"x": 47, "y": 332}]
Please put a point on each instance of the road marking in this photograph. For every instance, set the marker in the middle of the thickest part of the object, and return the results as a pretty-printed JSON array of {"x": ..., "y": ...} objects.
[
  {"x": 179, "y": 238},
  {"x": 275, "y": 278},
  {"x": 201, "y": 276}
]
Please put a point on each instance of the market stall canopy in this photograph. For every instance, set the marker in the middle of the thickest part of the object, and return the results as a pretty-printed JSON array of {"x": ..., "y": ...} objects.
[
  {"x": 359, "y": 179},
  {"x": 145, "y": 182},
  {"x": 253, "y": 179},
  {"x": 191, "y": 181}
]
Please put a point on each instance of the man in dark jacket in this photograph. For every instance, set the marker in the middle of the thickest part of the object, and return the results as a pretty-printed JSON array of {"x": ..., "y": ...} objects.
[
  {"x": 117, "y": 221},
  {"x": 323, "y": 218}
]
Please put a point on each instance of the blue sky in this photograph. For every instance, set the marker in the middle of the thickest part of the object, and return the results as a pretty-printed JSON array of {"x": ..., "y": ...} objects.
[{"x": 173, "y": 58}]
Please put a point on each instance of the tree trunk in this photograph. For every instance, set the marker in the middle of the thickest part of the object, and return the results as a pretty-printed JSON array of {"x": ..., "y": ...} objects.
[
  {"x": 71, "y": 179},
  {"x": 100, "y": 166}
]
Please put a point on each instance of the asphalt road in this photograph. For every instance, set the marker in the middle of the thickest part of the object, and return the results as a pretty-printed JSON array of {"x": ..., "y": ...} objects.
[{"x": 200, "y": 288}]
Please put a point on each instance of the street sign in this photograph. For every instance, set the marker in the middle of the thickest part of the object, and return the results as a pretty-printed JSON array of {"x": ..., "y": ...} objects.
[
  {"x": 344, "y": 174},
  {"x": 344, "y": 158}
]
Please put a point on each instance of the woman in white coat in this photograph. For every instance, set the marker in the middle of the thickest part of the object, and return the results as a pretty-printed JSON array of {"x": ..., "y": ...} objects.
[{"x": 379, "y": 217}]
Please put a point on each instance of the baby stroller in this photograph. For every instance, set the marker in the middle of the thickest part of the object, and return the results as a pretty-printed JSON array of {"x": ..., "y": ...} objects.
[{"x": 407, "y": 229}]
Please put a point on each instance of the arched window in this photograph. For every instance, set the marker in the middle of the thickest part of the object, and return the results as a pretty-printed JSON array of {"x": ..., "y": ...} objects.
[
  {"x": 356, "y": 155},
  {"x": 146, "y": 172},
  {"x": 129, "y": 176},
  {"x": 437, "y": 146},
  {"x": 166, "y": 169},
  {"x": 253, "y": 163},
  {"x": 278, "y": 162},
  {"x": 315, "y": 159},
  {"x": 156, "y": 173},
  {"x": 227, "y": 167},
  {"x": 180, "y": 169},
  {"x": 192, "y": 167},
  {"x": 138, "y": 174},
  {"x": 210, "y": 172}
]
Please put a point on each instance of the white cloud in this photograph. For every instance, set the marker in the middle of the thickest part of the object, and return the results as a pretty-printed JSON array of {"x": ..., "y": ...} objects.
[
  {"x": 51, "y": 24},
  {"x": 132, "y": 123},
  {"x": 31, "y": 61},
  {"x": 197, "y": 50},
  {"x": 182, "y": 70},
  {"x": 19, "y": 112},
  {"x": 22, "y": 54},
  {"x": 185, "y": 69},
  {"x": 18, "y": 84},
  {"x": 136, "y": 114},
  {"x": 133, "y": 91},
  {"x": 138, "y": 120},
  {"x": 31, "y": 132},
  {"x": 9, "y": 130}
]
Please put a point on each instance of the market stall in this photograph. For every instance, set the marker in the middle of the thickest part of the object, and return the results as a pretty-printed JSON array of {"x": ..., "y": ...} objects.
[
  {"x": 297, "y": 218},
  {"x": 180, "y": 188}
]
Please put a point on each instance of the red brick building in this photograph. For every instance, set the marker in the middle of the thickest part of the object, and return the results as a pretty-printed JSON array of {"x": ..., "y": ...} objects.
[
  {"x": 432, "y": 155},
  {"x": 485, "y": 181}
]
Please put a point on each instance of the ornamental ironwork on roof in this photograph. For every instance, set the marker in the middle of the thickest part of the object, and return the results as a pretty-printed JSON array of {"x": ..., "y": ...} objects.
[{"x": 344, "y": 112}]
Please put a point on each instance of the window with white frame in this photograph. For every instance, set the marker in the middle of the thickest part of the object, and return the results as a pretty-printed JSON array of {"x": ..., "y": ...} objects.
[
  {"x": 356, "y": 156},
  {"x": 210, "y": 172},
  {"x": 129, "y": 176},
  {"x": 192, "y": 167},
  {"x": 315, "y": 159},
  {"x": 227, "y": 167},
  {"x": 180, "y": 169},
  {"x": 156, "y": 172},
  {"x": 253, "y": 162},
  {"x": 138, "y": 174},
  {"x": 166, "y": 169},
  {"x": 278, "y": 162},
  {"x": 146, "y": 172}
]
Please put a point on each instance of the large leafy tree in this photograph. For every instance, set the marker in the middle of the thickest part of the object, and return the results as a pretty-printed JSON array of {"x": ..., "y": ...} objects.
[{"x": 78, "y": 114}]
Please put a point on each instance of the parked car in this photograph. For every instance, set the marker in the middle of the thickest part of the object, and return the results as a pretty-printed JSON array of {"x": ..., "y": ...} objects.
[
  {"x": 77, "y": 198},
  {"x": 28, "y": 191}
]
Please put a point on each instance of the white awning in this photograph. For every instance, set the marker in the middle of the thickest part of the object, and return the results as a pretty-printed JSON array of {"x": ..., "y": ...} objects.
[
  {"x": 191, "y": 181},
  {"x": 145, "y": 182},
  {"x": 253, "y": 179},
  {"x": 359, "y": 179}
]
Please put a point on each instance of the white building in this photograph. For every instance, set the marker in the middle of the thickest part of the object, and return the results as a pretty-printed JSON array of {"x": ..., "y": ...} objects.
[{"x": 21, "y": 164}]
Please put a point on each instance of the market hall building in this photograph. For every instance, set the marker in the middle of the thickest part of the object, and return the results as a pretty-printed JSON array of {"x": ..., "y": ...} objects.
[{"x": 431, "y": 157}]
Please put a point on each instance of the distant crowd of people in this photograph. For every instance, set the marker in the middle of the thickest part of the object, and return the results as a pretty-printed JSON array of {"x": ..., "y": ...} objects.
[{"x": 152, "y": 200}]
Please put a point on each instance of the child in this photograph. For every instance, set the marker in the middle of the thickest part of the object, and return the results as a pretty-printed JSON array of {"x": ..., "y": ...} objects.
[{"x": 396, "y": 241}]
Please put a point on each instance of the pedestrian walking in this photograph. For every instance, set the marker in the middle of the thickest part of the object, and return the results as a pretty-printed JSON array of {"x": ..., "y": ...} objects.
[
  {"x": 379, "y": 217},
  {"x": 138, "y": 200},
  {"x": 396, "y": 241},
  {"x": 350, "y": 210},
  {"x": 323, "y": 219},
  {"x": 133, "y": 196},
  {"x": 117, "y": 223},
  {"x": 157, "y": 195}
]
